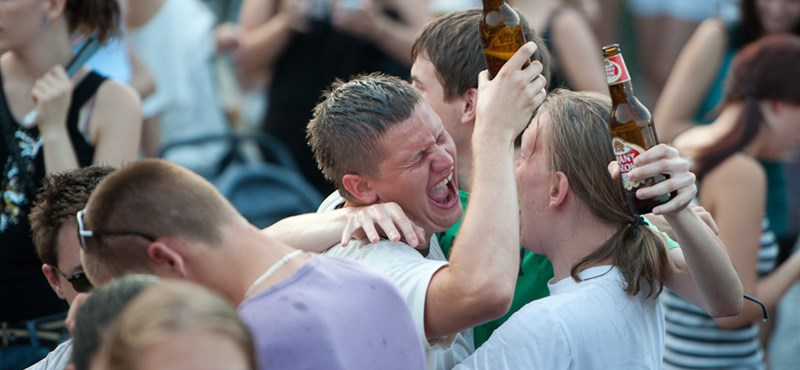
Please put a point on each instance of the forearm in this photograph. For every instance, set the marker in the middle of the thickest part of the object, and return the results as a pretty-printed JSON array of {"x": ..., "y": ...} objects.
[
  {"x": 769, "y": 290},
  {"x": 261, "y": 46},
  {"x": 59, "y": 154},
  {"x": 395, "y": 39},
  {"x": 486, "y": 252},
  {"x": 718, "y": 288},
  {"x": 312, "y": 232}
]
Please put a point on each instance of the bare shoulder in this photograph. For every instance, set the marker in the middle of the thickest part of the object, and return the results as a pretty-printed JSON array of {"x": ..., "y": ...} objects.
[
  {"x": 737, "y": 176},
  {"x": 116, "y": 105},
  {"x": 117, "y": 97}
]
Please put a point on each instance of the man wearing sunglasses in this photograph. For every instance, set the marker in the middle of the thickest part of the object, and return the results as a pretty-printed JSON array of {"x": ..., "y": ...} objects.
[{"x": 55, "y": 237}]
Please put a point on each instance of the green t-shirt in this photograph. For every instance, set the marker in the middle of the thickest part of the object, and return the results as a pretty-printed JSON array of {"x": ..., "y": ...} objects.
[{"x": 535, "y": 271}]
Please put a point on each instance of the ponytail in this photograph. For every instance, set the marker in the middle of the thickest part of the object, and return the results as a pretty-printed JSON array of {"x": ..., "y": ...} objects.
[
  {"x": 639, "y": 254},
  {"x": 99, "y": 17}
]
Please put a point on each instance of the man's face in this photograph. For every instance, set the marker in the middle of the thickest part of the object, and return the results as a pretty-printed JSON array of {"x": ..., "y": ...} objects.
[
  {"x": 533, "y": 181},
  {"x": 418, "y": 171},
  {"x": 69, "y": 260},
  {"x": 425, "y": 79}
]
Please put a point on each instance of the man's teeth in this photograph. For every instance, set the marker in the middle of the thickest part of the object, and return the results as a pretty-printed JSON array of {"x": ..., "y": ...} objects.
[{"x": 443, "y": 182}]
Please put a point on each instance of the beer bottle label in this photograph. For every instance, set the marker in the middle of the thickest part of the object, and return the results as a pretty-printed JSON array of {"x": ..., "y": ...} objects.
[
  {"x": 625, "y": 153},
  {"x": 616, "y": 72}
]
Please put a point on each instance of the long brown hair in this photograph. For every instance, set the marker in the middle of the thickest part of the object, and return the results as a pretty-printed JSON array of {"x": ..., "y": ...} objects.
[
  {"x": 579, "y": 145},
  {"x": 768, "y": 69}
]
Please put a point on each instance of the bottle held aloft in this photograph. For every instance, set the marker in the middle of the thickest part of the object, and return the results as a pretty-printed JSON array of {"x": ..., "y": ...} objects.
[
  {"x": 501, "y": 34},
  {"x": 632, "y": 132}
]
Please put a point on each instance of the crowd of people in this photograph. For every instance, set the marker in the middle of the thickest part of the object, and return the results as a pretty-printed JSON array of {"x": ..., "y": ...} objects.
[{"x": 471, "y": 222}]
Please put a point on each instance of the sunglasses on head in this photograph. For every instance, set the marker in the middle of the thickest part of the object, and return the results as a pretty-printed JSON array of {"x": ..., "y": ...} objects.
[
  {"x": 78, "y": 280},
  {"x": 84, "y": 234}
]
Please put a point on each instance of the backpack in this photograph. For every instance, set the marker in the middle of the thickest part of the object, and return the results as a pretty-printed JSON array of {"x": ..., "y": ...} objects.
[{"x": 259, "y": 176}]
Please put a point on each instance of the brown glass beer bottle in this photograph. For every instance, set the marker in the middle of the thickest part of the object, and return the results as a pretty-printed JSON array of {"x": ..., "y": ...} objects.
[
  {"x": 631, "y": 129},
  {"x": 501, "y": 34}
]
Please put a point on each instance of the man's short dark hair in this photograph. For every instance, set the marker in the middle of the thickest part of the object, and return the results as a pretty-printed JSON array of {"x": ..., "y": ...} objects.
[
  {"x": 348, "y": 123},
  {"x": 60, "y": 197},
  {"x": 452, "y": 43}
]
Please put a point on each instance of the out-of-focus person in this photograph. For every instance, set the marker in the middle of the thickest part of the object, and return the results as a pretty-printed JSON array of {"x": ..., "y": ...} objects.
[
  {"x": 302, "y": 46},
  {"x": 81, "y": 120},
  {"x": 760, "y": 119}
]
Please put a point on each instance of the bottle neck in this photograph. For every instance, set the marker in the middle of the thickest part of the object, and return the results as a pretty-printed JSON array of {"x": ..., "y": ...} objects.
[
  {"x": 621, "y": 92},
  {"x": 490, "y": 5}
]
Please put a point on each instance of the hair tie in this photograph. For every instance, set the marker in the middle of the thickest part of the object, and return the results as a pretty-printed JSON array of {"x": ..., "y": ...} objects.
[{"x": 639, "y": 221}]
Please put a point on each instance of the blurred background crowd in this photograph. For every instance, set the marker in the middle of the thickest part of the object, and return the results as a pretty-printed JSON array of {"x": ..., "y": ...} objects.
[{"x": 223, "y": 87}]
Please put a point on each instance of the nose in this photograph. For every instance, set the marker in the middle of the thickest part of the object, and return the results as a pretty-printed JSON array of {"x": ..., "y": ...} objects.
[{"x": 442, "y": 160}]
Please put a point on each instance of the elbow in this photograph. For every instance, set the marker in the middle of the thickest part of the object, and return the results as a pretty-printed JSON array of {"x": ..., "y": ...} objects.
[
  {"x": 731, "y": 307},
  {"x": 494, "y": 299}
]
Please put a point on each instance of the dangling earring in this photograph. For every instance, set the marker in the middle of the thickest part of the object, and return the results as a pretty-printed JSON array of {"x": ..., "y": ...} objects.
[{"x": 47, "y": 23}]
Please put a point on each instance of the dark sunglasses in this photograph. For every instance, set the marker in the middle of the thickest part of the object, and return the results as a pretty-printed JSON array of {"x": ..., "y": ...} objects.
[
  {"x": 84, "y": 234},
  {"x": 78, "y": 280}
]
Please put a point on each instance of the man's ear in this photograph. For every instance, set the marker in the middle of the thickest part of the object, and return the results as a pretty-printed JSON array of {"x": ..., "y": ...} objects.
[
  {"x": 470, "y": 106},
  {"x": 53, "y": 279},
  {"x": 165, "y": 261},
  {"x": 559, "y": 188},
  {"x": 360, "y": 188}
]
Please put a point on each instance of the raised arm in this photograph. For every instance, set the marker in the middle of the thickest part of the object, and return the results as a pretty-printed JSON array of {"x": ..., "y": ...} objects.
[
  {"x": 478, "y": 285},
  {"x": 394, "y": 37},
  {"x": 266, "y": 30},
  {"x": 691, "y": 78},
  {"x": 702, "y": 271},
  {"x": 579, "y": 53}
]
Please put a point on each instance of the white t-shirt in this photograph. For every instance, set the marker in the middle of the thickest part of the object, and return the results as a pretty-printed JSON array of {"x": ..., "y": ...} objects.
[
  {"x": 593, "y": 324},
  {"x": 177, "y": 46},
  {"x": 55, "y": 360},
  {"x": 411, "y": 273}
]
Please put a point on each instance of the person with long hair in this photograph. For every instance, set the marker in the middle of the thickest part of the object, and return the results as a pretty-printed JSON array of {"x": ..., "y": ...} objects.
[
  {"x": 694, "y": 89},
  {"x": 759, "y": 120},
  {"x": 604, "y": 309},
  {"x": 79, "y": 121}
]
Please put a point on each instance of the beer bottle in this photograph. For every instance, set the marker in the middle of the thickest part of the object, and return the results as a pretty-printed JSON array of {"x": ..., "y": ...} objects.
[
  {"x": 501, "y": 34},
  {"x": 631, "y": 129}
]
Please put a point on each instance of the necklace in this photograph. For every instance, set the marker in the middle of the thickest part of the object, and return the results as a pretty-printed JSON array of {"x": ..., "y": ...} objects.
[{"x": 271, "y": 270}]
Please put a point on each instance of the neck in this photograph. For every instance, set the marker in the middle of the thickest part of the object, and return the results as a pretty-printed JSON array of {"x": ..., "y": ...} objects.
[
  {"x": 464, "y": 167},
  {"x": 139, "y": 12},
  {"x": 33, "y": 60},
  {"x": 252, "y": 252},
  {"x": 566, "y": 247}
]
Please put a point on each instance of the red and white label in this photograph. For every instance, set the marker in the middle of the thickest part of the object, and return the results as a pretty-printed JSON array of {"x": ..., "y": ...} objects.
[
  {"x": 626, "y": 152},
  {"x": 616, "y": 72}
]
